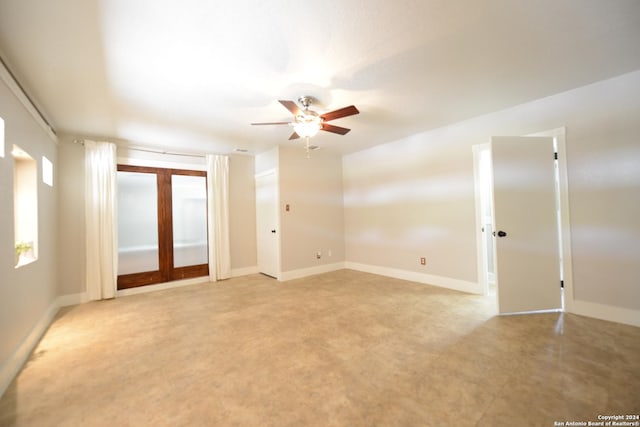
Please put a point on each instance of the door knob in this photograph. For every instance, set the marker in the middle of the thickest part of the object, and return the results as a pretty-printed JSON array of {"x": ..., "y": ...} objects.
[
  {"x": 501, "y": 233},
  {"x": 273, "y": 231}
]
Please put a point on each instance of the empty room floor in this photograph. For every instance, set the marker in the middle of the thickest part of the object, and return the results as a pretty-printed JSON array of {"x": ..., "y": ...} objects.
[{"x": 338, "y": 349}]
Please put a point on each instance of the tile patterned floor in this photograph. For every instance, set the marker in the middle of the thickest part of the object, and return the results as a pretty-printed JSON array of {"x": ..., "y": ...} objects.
[{"x": 339, "y": 349}]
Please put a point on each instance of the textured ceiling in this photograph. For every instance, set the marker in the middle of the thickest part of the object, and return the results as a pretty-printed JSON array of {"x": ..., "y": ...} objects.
[{"x": 191, "y": 75}]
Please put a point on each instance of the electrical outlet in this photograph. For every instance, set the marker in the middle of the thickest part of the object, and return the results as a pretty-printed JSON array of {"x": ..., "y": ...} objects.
[
  {"x": 318, "y": 255},
  {"x": 423, "y": 261}
]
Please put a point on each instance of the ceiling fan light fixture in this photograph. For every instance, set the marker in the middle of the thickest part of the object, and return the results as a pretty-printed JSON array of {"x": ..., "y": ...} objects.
[
  {"x": 307, "y": 128},
  {"x": 307, "y": 123}
]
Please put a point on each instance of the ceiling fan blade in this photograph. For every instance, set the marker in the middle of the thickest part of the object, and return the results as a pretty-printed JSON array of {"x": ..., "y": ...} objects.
[
  {"x": 342, "y": 112},
  {"x": 271, "y": 123},
  {"x": 294, "y": 135},
  {"x": 334, "y": 129},
  {"x": 291, "y": 106}
]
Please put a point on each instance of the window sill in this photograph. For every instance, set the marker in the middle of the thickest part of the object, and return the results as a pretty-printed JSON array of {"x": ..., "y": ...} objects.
[{"x": 25, "y": 260}]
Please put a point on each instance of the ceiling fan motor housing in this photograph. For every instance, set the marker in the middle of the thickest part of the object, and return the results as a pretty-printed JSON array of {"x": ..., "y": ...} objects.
[
  {"x": 306, "y": 101},
  {"x": 308, "y": 116}
]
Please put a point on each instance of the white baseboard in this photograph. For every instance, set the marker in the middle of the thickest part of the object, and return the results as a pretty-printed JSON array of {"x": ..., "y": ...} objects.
[
  {"x": 245, "y": 271},
  {"x": 428, "y": 279},
  {"x": 304, "y": 272},
  {"x": 16, "y": 361},
  {"x": 606, "y": 312}
]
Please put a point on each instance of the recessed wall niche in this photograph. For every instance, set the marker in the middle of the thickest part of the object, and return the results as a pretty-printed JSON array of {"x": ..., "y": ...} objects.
[{"x": 25, "y": 205}]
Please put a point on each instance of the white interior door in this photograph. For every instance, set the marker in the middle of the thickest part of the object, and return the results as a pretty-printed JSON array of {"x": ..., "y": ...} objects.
[
  {"x": 526, "y": 228},
  {"x": 267, "y": 224}
]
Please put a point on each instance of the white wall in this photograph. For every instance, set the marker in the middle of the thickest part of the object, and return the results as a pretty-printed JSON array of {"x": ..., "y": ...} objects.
[
  {"x": 415, "y": 197},
  {"x": 71, "y": 248},
  {"x": 27, "y": 294},
  {"x": 242, "y": 218},
  {"x": 312, "y": 187},
  {"x": 409, "y": 200},
  {"x": 267, "y": 161}
]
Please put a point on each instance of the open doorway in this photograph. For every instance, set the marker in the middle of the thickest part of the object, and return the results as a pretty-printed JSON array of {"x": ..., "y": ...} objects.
[
  {"x": 489, "y": 240},
  {"x": 485, "y": 189}
]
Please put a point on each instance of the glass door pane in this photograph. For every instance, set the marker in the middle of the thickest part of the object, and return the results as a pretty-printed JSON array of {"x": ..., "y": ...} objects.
[
  {"x": 137, "y": 222},
  {"x": 189, "y": 212}
]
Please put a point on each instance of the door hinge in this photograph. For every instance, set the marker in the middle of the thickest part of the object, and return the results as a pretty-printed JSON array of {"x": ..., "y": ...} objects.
[
  {"x": 562, "y": 283},
  {"x": 555, "y": 156}
]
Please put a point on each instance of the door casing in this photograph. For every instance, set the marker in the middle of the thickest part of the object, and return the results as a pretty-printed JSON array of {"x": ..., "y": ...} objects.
[
  {"x": 565, "y": 226},
  {"x": 268, "y": 219}
]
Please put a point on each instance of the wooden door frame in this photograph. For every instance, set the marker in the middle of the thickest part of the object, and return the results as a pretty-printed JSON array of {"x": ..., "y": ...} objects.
[{"x": 166, "y": 271}]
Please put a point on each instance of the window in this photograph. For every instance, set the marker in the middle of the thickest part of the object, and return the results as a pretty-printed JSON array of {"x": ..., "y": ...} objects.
[
  {"x": 1, "y": 137},
  {"x": 47, "y": 171},
  {"x": 162, "y": 225},
  {"x": 25, "y": 205}
]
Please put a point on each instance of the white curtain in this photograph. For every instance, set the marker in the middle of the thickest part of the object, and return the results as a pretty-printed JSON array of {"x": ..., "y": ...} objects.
[
  {"x": 218, "y": 217},
  {"x": 100, "y": 219}
]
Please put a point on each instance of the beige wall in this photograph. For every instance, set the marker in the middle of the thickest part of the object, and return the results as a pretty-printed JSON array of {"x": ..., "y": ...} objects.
[
  {"x": 603, "y": 144},
  {"x": 313, "y": 189},
  {"x": 267, "y": 161},
  {"x": 410, "y": 200},
  {"x": 71, "y": 248},
  {"x": 28, "y": 292},
  {"x": 415, "y": 197},
  {"x": 242, "y": 209}
]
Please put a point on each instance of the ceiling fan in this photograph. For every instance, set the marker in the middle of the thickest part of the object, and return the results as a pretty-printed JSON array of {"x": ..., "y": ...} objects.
[{"x": 306, "y": 123}]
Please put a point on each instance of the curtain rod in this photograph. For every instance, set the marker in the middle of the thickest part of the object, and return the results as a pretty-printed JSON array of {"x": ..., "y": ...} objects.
[
  {"x": 26, "y": 95},
  {"x": 149, "y": 150},
  {"x": 170, "y": 153}
]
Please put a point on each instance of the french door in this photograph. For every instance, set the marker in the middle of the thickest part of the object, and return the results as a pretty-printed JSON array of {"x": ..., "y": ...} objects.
[{"x": 162, "y": 225}]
